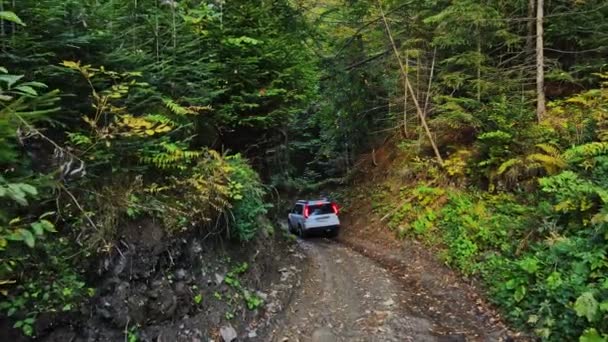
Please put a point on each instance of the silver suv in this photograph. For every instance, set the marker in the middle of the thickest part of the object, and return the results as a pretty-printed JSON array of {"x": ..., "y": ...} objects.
[{"x": 314, "y": 217}]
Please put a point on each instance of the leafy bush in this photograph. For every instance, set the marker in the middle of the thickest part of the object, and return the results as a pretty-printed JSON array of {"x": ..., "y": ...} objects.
[
  {"x": 156, "y": 172},
  {"x": 550, "y": 281},
  {"x": 247, "y": 194},
  {"x": 36, "y": 275}
]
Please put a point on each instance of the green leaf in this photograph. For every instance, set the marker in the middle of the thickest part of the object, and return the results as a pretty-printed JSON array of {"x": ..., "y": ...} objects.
[
  {"x": 11, "y": 16},
  {"x": 28, "y": 189},
  {"x": 530, "y": 265},
  {"x": 48, "y": 226},
  {"x": 587, "y": 306},
  {"x": 520, "y": 293},
  {"x": 554, "y": 280},
  {"x": 37, "y": 228},
  {"x": 532, "y": 319},
  {"x": 10, "y": 79},
  {"x": 28, "y": 237},
  {"x": 34, "y": 84},
  {"x": 604, "y": 306},
  {"x": 48, "y": 213},
  {"x": 28, "y": 330},
  {"x": 3, "y": 70},
  {"x": 41, "y": 226},
  {"x": 24, "y": 89},
  {"x": 591, "y": 335}
]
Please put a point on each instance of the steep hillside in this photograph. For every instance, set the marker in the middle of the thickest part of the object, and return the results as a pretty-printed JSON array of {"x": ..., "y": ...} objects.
[{"x": 469, "y": 250}]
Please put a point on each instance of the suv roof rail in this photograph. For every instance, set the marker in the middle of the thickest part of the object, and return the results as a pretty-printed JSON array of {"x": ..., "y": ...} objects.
[{"x": 315, "y": 200}]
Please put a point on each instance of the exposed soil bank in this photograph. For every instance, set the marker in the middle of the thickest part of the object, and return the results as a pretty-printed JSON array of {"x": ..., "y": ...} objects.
[{"x": 186, "y": 288}]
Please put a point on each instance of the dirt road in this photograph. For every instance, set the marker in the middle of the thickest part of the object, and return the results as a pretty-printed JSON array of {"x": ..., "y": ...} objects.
[{"x": 346, "y": 296}]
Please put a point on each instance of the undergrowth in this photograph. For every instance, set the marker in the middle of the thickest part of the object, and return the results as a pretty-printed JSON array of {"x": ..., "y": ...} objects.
[{"x": 530, "y": 223}]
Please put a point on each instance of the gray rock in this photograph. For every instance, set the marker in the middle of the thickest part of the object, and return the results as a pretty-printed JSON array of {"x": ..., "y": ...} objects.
[
  {"x": 228, "y": 333},
  {"x": 120, "y": 264},
  {"x": 262, "y": 295},
  {"x": 181, "y": 274},
  {"x": 136, "y": 304},
  {"x": 195, "y": 247}
]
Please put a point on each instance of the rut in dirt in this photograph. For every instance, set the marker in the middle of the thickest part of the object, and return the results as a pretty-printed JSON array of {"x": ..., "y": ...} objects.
[{"x": 346, "y": 296}]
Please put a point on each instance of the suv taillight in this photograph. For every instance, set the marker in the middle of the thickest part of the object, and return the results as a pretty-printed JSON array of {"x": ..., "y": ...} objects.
[
  {"x": 306, "y": 213},
  {"x": 334, "y": 206}
]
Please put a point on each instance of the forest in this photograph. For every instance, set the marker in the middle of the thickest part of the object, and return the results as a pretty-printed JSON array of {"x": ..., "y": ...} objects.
[{"x": 198, "y": 113}]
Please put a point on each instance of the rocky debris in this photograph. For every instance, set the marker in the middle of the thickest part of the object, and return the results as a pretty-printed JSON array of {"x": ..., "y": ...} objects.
[
  {"x": 228, "y": 333},
  {"x": 285, "y": 274},
  {"x": 252, "y": 334},
  {"x": 219, "y": 278},
  {"x": 263, "y": 296},
  {"x": 181, "y": 274},
  {"x": 173, "y": 289}
]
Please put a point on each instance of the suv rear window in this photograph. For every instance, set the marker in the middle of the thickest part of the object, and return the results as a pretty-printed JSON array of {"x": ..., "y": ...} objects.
[{"x": 320, "y": 209}]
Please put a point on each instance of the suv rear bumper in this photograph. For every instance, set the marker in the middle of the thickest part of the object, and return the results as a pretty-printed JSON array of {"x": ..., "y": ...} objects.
[{"x": 322, "y": 230}]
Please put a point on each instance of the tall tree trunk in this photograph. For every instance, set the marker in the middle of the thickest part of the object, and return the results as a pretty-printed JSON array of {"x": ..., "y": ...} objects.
[
  {"x": 540, "y": 62},
  {"x": 157, "y": 33},
  {"x": 531, "y": 26},
  {"x": 173, "y": 23},
  {"x": 2, "y": 32},
  {"x": 405, "y": 80},
  {"x": 134, "y": 33},
  {"x": 419, "y": 109},
  {"x": 478, "y": 64},
  {"x": 427, "y": 99}
]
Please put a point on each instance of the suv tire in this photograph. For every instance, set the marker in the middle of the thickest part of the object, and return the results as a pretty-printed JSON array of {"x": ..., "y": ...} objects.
[{"x": 301, "y": 232}]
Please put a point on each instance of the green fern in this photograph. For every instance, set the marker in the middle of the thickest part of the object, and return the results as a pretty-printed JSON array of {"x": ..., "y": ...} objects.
[
  {"x": 532, "y": 165},
  {"x": 176, "y": 108},
  {"x": 161, "y": 119},
  {"x": 174, "y": 156},
  {"x": 511, "y": 163},
  {"x": 578, "y": 154},
  {"x": 551, "y": 164},
  {"x": 549, "y": 149}
]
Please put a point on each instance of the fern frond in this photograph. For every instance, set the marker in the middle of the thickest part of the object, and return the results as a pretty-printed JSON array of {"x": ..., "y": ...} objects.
[
  {"x": 173, "y": 157},
  {"x": 508, "y": 165},
  {"x": 551, "y": 164},
  {"x": 579, "y": 153},
  {"x": 176, "y": 108},
  {"x": 549, "y": 149}
]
